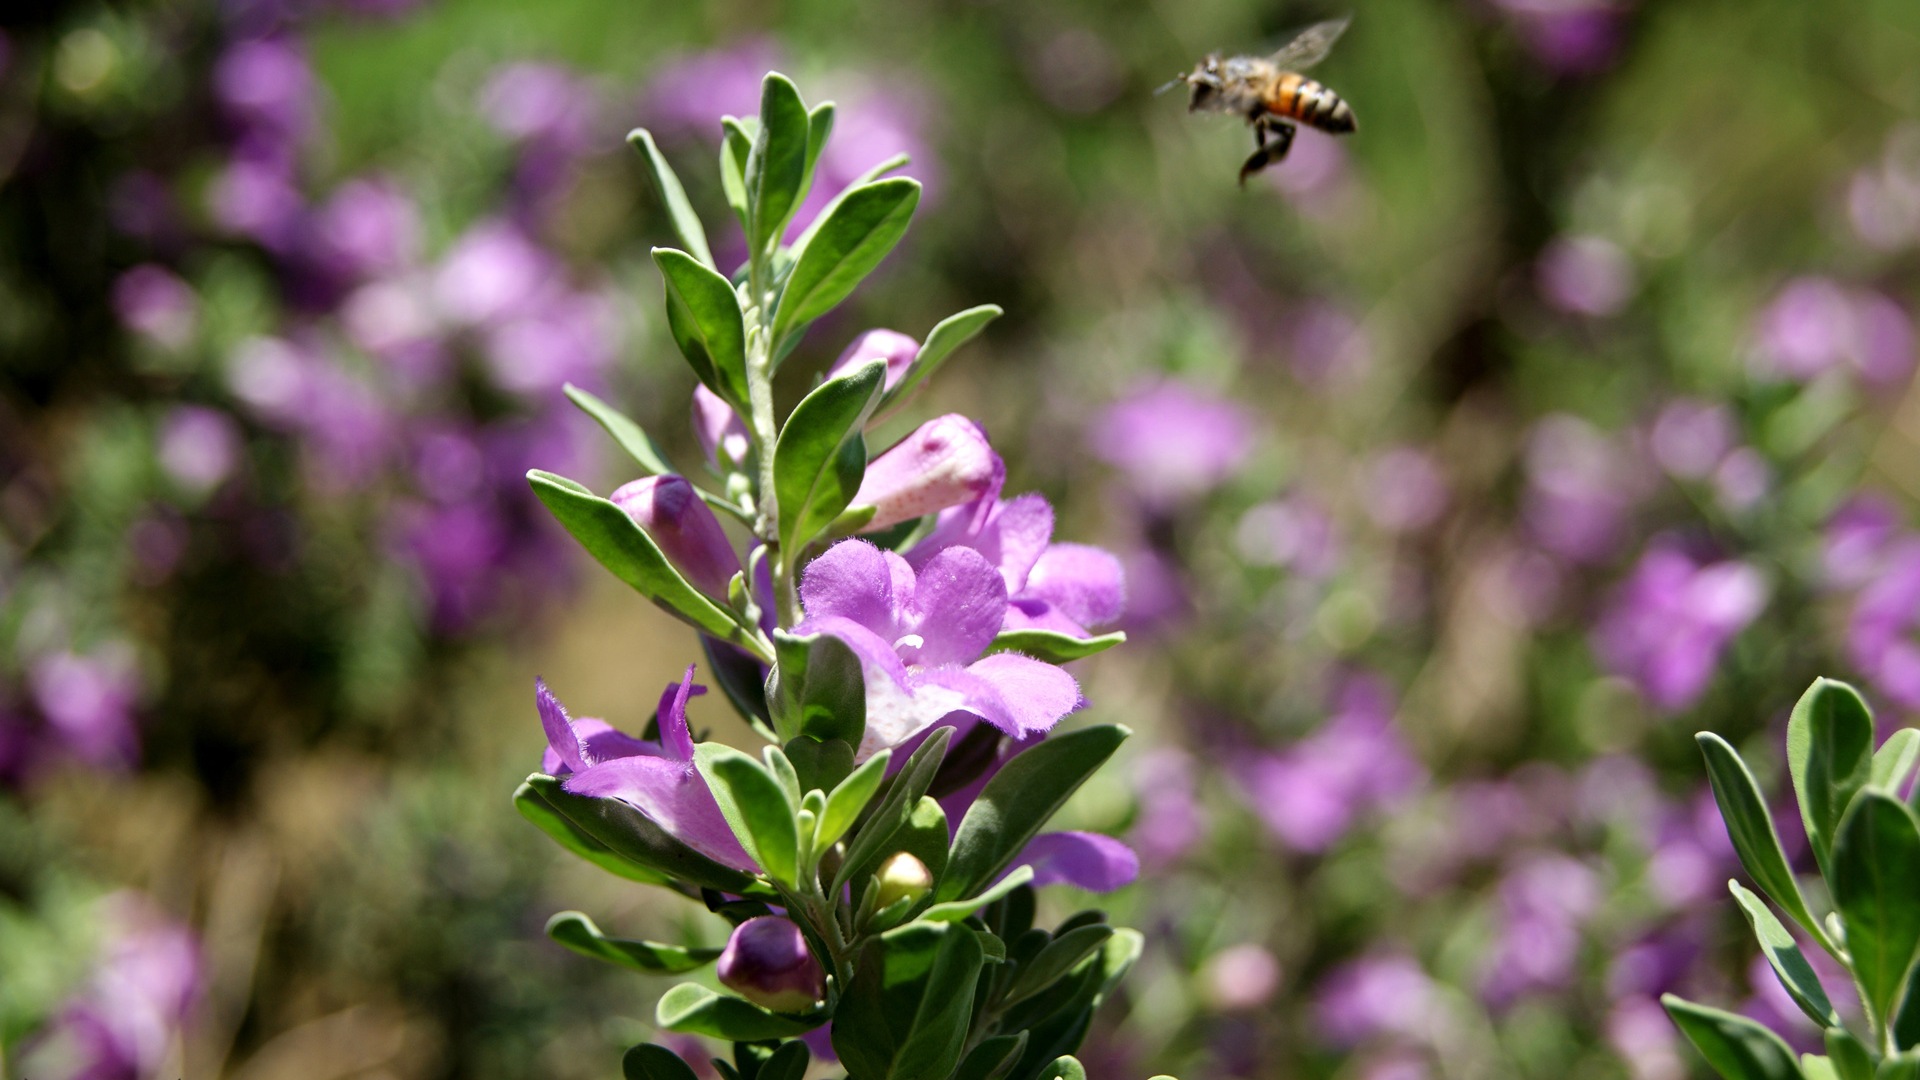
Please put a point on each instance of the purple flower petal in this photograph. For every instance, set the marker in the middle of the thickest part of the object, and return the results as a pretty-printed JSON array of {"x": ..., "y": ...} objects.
[
  {"x": 601, "y": 741},
  {"x": 853, "y": 581},
  {"x": 1012, "y": 535},
  {"x": 877, "y": 654},
  {"x": 675, "y": 735},
  {"x": 563, "y": 745},
  {"x": 958, "y": 604},
  {"x": 1086, "y": 584},
  {"x": 674, "y": 795},
  {"x": 1082, "y": 859},
  {"x": 1038, "y": 694}
]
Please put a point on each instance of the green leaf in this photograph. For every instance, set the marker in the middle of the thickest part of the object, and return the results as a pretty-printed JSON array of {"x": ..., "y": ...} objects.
[
  {"x": 1830, "y": 754},
  {"x": 704, "y": 314},
  {"x": 578, "y": 840},
  {"x": 1849, "y": 1058},
  {"x": 631, "y": 436},
  {"x": 635, "y": 837},
  {"x": 1064, "y": 1068},
  {"x": 1784, "y": 955},
  {"x": 1899, "y": 1067},
  {"x": 909, "y": 784},
  {"x": 946, "y": 336},
  {"x": 955, "y": 910},
  {"x": 623, "y": 547},
  {"x": 821, "y": 765},
  {"x": 776, "y": 762},
  {"x": 817, "y": 688},
  {"x": 686, "y": 223},
  {"x": 693, "y": 1008},
  {"x": 1751, "y": 829},
  {"x": 1817, "y": 1067},
  {"x": 788, "y": 1062},
  {"x": 923, "y": 836},
  {"x": 1906, "y": 1022},
  {"x": 851, "y": 796},
  {"x": 737, "y": 144},
  {"x": 1735, "y": 1046},
  {"x": 993, "y": 1059},
  {"x": 819, "y": 127},
  {"x": 577, "y": 932},
  {"x": 1017, "y": 802},
  {"x": 905, "y": 1012},
  {"x": 1893, "y": 762},
  {"x": 1053, "y": 646},
  {"x": 756, "y": 806},
  {"x": 650, "y": 1062},
  {"x": 820, "y": 458},
  {"x": 742, "y": 679},
  {"x": 826, "y": 212},
  {"x": 1876, "y": 888},
  {"x": 777, "y": 163},
  {"x": 855, "y": 235},
  {"x": 1061, "y": 955}
]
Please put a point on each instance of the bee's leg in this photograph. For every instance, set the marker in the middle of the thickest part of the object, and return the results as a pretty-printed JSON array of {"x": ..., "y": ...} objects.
[{"x": 1267, "y": 153}]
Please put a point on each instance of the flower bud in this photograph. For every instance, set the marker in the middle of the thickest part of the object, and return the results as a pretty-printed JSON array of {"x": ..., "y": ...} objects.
[
  {"x": 897, "y": 349},
  {"x": 721, "y": 433},
  {"x": 902, "y": 877},
  {"x": 767, "y": 962},
  {"x": 671, "y": 512},
  {"x": 945, "y": 462}
]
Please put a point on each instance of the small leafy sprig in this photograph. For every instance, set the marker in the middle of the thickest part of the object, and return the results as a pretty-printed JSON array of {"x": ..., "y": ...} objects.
[
  {"x": 1866, "y": 842},
  {"x": 853, "y": 900}
]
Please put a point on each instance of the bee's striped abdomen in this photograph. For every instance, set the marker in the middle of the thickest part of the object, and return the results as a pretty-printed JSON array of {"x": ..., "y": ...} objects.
[{"x": 1297, "y": 97}]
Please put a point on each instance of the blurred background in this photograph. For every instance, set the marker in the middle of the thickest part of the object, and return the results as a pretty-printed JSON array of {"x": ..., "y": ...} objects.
[{"x": 1463, "y": 468}]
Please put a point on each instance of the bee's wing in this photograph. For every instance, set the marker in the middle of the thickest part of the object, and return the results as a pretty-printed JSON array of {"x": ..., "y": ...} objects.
[{"x": 1311, "y": 45}]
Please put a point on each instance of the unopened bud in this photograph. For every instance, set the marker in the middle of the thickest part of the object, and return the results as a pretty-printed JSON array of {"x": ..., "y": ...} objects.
[
  {"x": 947, "y": 461},
  {"x": 897, "y": 349},
  {"x": 720, "y": 431},
  {"x": 671, "y": 512},
  {"x": 767, "y": 962},
  {"x": 902, "y": 877}
]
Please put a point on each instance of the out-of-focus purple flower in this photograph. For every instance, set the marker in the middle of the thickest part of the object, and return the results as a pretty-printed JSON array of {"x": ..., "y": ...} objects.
[
  {"x": 1293, "y": 534},
  {"x": 1585, "y": 275},
  {"x": 257, "y": 198},
  {"x": 945, "y": 462},
  {"x": 1173, "y": 442},
  {"x": 671, "y": 512},
  {"x": 1883, "y": 202},
  {"x": 126, "y": 1019},
  {"x": 1642, "y": 1033},
  {"x": 1568, "y": 37},
  {"x": 1857, "y": 539},
  {"x": 1879, "y": 638},
  {"x": 495, "y": 271},
  {"x": 540, "y": 102},
  {"x": 266, "y": 86},
  {"x": 142, "y": 206},
  {"x": 1690, "y": 437},
  {"x": 1170, "y": 820},
  {"x": 1310, "y": 795},
  {"x": 897, "y": 349},
  {"x": 199, "y": 447},
  {"x": 686, "y": 96},
  {"x": 1157, "y": 595},
  {"x": 1083, "y": 860},
  {"x": 1743, "y": 479},
  {"x": 1328, "y": 347},
  {"x": 767, "y": 961},
  {"x": 292, "y": 387},
  {"x": 158, "y": 540},
  {"x": 1240, "y": 977},
  {"x": 88, "y": 702},
  {"x": 1669, "y": 622},
  {"x": 567, "y": 337},
  {"x": 1069, "y": 588},
  {"x": 457, "y": 550},
  {"x": 1382, "y": 993},
  {"x": 720, "y": 430},
  {"x": 1406, "y": 491},
  {"x": 1580, "y": 486},
  {"x": 1545, "y": 901},
  {"x": 1691, "y": 857},
  {"x": 1316, "y": 171},
  {"x": 920, "y": 636},
  {"x": 658, "y": 779},
  {"x": 369, "y": 227},
  {"x": 1817, "y": 325},
  {"x": 153, "y": 302}
]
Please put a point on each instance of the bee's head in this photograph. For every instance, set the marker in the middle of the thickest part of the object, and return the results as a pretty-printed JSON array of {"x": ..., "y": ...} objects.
[{"x": 1203, "y": 83}]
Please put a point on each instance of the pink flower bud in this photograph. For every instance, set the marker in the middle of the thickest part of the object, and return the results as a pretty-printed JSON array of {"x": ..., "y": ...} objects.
[
  {"x": 897, "y": 349},
  {"x": 671, "y": 512},
  {"x": 721, "y": 433},
  {"x": 945, "y": 462},
  {"x": 767, "y": 962}
]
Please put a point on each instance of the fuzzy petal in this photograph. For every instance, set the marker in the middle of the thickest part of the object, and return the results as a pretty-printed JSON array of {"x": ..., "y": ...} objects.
[
  {"x": 945, "y": 462},
  {"x": 959, "y": 603},
  {"x": 1083, "y": 583},
  {"x": 877, "y": 655},
  {"x": 563, "y": 745},
  {"x": 1084, "y": 860},
  {"x": 852, "y": 581},
  {"x": 1011, "y": 535},
  {"x": 1026, "y": 613},
  {"x": 674, "y": 795},
  {"x": 601, "y": 741},
  {"x": 939, "y": 692},
  {"x": 675, "y": 734},
  {"x": 1038, "y": 694}
]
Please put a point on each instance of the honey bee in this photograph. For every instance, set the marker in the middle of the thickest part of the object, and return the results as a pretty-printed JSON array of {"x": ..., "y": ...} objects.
[{"x": 1270, "y": 93}]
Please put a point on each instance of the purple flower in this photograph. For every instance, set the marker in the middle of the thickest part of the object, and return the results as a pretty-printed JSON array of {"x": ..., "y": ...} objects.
[
  {"x": 560, "y": 337},
  {"x": 1082, "y": 859},
  {"x": 1817, "y": 325},
  {"x": 1690, "y": 438},
  {"x": 127, "y": 1018},
  {"x": 944, "y": 462},
  {"x": 1173, "y": 442},
  {"x": 658, "y": 779},
  {"x": 199, "y": 447},
  {"x": 1670, "y": 621},
  {"x": 671, "y": 512},
  {"x": 1642, "y": 1033},
  {"x": 256, "y": 197},
  {"x": 153, "y": 302},
  {"x": 1585, "y": 275},
  {"x": 1406, "y": 490},
  {"x": 897, "y": 349},
  {"x": 88, "y": 702},
  {"x": 1310, "y": 795},
  {"x": 1878, "y": 638},
  {"x": 1171, "y": 821},
  {"x": 920, "y": 636},
  {"x": 1293, "y": 533},
  {"x": 721, "y": 433},
  {"x": 1240, "y": 977},
  {"x": 267, "y": 87},
  {"x": 369, "y": 227},
  {"x": 1069, "y": 588},
  {"x": 1544, "y": 901},
  {"x": 1581, "y": 484},
  {"x": 1381, "y": 993},
  {"x": 495, "y": 271},
  {"x": 1857, "y": 539},
  {"x": 686, "y": 95},
  {"x": 1568, "y": 37},
  {"x": 767, "y": 961},
  {"x": 1328, "y": 347},
  {"x": 542, "y": 103}
]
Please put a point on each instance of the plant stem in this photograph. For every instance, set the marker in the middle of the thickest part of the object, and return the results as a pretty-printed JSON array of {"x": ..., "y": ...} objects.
[{"x": 766, "y": 431}]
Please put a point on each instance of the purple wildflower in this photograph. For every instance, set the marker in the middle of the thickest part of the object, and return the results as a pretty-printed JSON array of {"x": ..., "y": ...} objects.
[
  {"x": 1670, "y": 621},
  {"x": 943, "y": 463},
  {"x": 1173, "y": 442},
  {"x": 199, "y": 447},
  {"x": 1082, "y": 859},
  {"x": 1240, "y": 977},
  {"x": 1406, "y": 490},
  {"x": 897, "y": 349},
  {"x": 1171, "y": 821},
  {"x": 720, "y": 430},
  {"x": 153, "y": 302},
  {"x": 1585, "y": 275},
  {"x": 920, "y": 636},
  {"x": 1545, "y": 900},
  {"x": 1816, "y": 325},
  {"x": 1377, "y": 994},
  {"x": 369, "y": 227},
  {"x": 1857, "y": 539},
  {"x": 88, "y": 702},
  {"x": 1581, "y": 484},
  {"x": 767, "y": 961},
  {"x": 1879, "y": 641},
  {"x": 1310, "y": 795},
  {"x": 1069, "y": 588},
  {"x": 671, "y": 512},
  {"x": 1294, "y": 534}
]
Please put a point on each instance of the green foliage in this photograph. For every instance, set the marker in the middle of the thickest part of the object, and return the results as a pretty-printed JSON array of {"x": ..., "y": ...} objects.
[
  {"x": 1876, "y": 887},
  {"x": 901, "y": 1018},
  {"x": 1830, "y": 754},
  {"x": 821, "y": 457},
  {"x": 1017, "y": 802},
  {"x": 817, "y": 689},
  {"x": 577, "y": 932},
  {"x": 758, "y": 807},
  {"x": 694, "y": 1009},
  {"x": 1735, "y": 1046},
  {"x": 1053, "y": 646}
]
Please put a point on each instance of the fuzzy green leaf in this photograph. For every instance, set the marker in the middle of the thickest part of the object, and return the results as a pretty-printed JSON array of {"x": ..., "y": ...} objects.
[
  {"x": 1751, "y": 828},
  {"x": 820, "y": 457},
  {"x": 851, "y": 796},
  {"x": 857, "y": 233},
  {"x": 946, "y": 336},
  {"x": 704, "y": 314},
  {"x": 817, "y": 689},
  {"x": 1053, "y": 646},
  {"x": 577, "y": 840},
  {"x": 577, "y": 932},
  {"x": 1784, "y": 956},
  {"x": 1735, "y": 1046},
  {"x": 776, "y": 164},
  {"x": 1876, "y": 888},
  {"x": 1017, "y": 802},
  {"x": 693, "y": 1008},
  {"x": 673, "y": 197},
  {"x": 1830, "y": 754},
  {"x": 650, "y": 1062},
  {"x": 635, "y": 837},
  {"x": 756, "y": 805}
]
